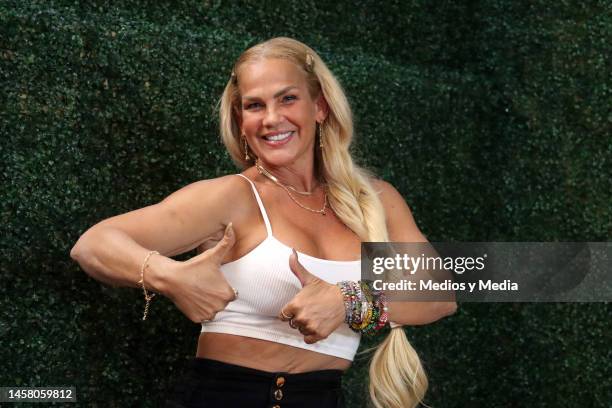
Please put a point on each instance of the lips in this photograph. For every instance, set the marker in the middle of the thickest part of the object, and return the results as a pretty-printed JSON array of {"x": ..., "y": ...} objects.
[{"x": 278, "y": 138}]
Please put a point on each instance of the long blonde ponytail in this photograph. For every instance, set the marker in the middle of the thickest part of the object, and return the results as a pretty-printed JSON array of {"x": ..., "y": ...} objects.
[{"x": 397, "y": 378}]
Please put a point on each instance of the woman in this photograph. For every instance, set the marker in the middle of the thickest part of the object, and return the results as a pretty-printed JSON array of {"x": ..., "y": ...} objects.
[{"x": 274, "y": 319}]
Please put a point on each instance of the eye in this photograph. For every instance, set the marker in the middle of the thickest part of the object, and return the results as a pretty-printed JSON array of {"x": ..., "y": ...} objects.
[
  {"x": 289, "y": 98},
  {"x": 252, "y": 105}
]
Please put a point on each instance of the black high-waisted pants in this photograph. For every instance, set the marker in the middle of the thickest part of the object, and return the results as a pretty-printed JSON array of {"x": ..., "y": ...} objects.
[{"x": 210, "y": 383}]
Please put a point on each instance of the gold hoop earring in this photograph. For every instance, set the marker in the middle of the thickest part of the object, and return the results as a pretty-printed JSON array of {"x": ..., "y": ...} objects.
[{"x": 246, "y": 148}]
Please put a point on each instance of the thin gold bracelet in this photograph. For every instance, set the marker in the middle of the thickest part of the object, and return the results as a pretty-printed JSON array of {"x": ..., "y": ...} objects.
[{"x": 141, "y": 281}]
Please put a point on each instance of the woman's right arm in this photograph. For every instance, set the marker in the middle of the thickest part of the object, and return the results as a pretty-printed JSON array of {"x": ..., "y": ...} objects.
[{"x": 113, "y": 250}]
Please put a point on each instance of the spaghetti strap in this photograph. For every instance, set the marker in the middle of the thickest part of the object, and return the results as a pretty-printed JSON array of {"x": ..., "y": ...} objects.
[{"x": 261, "y": 206}]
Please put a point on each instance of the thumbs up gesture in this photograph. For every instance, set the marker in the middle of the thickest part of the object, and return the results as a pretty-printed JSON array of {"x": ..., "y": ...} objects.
[
  {"x": 197, "y": 286},
  {"x": 317, "y": 310}
]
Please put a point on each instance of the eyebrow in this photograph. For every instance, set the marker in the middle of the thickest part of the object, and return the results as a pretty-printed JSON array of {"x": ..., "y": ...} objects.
[{"x": 276, "y": 95}]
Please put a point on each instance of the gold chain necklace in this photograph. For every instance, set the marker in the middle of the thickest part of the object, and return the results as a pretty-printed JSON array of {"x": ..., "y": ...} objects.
[
  {"x": 266, "y": 173},
  {"x": 272, "y": 177}
]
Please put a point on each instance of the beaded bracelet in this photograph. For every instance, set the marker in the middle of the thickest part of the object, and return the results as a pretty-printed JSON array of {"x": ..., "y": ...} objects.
[
  {"x": 348, "y": 289},
  {"x": 366, "y": 309},
  {"x": 372, "y": 318},
  {"x": 381, "y": 308}
]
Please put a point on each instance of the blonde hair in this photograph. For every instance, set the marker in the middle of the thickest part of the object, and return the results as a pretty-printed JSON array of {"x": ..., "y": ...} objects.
[{"x": 397, "y": 378}]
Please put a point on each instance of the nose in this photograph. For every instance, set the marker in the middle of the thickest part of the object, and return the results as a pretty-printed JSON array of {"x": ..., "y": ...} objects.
[{"x": 272, "y": 117}]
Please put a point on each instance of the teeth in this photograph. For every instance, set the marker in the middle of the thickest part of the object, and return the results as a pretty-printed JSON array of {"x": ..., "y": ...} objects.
[{"x": 280, "y": 136}]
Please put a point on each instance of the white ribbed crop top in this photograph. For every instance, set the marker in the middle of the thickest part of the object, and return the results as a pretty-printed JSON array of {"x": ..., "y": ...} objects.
[{"x": 265, "y": 284}]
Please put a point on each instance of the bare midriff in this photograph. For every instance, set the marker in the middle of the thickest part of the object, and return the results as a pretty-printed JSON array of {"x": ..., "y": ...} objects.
[{"x": 265, "y": 355}]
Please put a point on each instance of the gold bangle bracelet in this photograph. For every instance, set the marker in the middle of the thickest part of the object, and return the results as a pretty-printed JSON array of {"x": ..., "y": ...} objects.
[{"x": 147, "y": 296}]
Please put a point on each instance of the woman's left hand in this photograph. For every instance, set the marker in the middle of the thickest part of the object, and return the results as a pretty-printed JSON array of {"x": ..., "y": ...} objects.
[{"x": 317, "y": 310}]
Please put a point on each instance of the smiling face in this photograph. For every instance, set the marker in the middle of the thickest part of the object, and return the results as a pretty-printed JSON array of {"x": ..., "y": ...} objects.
[{"x": 277, "y": 113}]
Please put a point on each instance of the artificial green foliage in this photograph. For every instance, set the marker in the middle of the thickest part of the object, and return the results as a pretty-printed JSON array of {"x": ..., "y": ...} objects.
[{"x": 492, "y": 118}]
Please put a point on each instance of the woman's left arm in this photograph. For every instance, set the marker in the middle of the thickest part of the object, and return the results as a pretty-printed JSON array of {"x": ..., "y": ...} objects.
[{"x": 402, "y": 228}]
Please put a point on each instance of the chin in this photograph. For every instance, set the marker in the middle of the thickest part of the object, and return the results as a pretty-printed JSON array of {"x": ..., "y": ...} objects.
[
  {"x": 282, "y": 157},
  {"x": 277, "y": 159}
]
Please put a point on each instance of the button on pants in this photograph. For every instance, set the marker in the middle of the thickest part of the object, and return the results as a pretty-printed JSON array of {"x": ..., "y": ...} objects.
[{"x": 211, "y": 383}]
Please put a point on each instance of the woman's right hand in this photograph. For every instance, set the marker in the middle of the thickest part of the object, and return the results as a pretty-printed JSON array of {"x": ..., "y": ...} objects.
[{"x": 197, "y": 286}]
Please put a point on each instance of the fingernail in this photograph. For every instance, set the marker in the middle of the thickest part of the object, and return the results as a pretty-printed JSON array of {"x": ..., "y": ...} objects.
[
  {"x": 228, "y": 229},
  {"x": 295, "y": 253}
]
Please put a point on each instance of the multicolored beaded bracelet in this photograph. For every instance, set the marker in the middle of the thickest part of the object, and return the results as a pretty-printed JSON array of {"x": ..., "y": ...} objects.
[{"x": 366, "y": 309}]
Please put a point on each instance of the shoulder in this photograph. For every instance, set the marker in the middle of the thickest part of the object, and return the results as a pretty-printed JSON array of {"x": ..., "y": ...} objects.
[
  {"x": 390, "y": 198},
  {"x": 210, "y": 197},
  {"x": 399, "y": 219},
  {"x": 226, "y": 187},
  {"x": 385, "y": 190}
]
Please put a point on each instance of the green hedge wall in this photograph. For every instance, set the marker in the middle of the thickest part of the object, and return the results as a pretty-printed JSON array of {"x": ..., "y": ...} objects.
[{"x": 492, "y": 118}]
